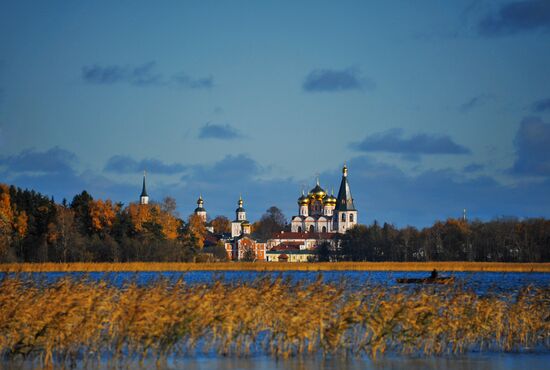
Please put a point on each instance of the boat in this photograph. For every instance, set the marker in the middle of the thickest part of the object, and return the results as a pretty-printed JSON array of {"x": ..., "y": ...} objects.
[{"x": 428, "y": 280}]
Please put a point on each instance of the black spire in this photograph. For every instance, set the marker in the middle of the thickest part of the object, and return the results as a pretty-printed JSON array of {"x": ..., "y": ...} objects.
[
  {"x": 143, "y": 191},
  {"x": 345, "y": 200}
]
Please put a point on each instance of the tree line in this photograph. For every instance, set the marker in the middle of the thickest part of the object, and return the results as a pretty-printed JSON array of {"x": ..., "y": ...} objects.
[
  {"x": 33, "y": 228},
  {"x": 499, "y": 240}
]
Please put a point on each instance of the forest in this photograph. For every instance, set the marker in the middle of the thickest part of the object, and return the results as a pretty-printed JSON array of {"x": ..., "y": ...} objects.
[
  {"x": 34, "y": 228},
  {"x": 499, "y": 240}
]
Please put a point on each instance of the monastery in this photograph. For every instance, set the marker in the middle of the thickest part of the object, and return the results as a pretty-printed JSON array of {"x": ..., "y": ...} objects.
[{"x": 321, "y": 217}]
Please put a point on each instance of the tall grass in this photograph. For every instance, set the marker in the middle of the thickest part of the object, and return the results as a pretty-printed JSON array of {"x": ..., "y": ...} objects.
[
  {"x": 277, "y": 266},
  {"x": 62, "y": 322}
]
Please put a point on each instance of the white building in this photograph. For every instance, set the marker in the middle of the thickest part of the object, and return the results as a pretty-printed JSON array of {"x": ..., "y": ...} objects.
[
  {"x": 319, "y": 212},
  {"x": 240, "y": 225},
  {"x": 200, "y": 211}
]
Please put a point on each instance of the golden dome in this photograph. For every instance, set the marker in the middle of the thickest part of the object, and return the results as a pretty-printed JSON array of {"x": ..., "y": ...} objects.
[
  {"x": 330, "y": 200},
  {"x": 303, "y": 200},
  {"x": 317, "y": 192}
]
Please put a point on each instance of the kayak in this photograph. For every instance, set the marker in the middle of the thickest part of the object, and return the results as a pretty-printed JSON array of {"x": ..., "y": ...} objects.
[{"x": 428, "y": 280}]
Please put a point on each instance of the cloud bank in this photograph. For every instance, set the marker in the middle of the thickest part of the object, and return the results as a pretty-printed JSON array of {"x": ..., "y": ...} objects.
[
  {"x": 541, "y": 106},
  {"x": 516, "y": 17},
  {"x": 54, "y": 160},
  {"x": 532, "y": 144},
  {"x": 332, "y": 80},
  {"x": 141, "y": 75},
  {"x": 125, "y": 164},
  {"x": 392, "y": 141},
  {"x": 473, "y": 103},
  {"x": 219, "y": 131}
]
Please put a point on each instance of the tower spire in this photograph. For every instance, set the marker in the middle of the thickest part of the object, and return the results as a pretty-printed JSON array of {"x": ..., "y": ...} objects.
[
  {"x": 345, "y": 200},
  {"x": 144, "y": 198}
]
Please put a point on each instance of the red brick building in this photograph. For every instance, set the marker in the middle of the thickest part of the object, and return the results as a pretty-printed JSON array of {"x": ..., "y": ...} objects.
[{"x": 245, "y": 247}]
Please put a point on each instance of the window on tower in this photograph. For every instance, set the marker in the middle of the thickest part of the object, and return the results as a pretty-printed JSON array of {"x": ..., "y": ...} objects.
[
  {"x": 343, "y": 217},
  {"x": 351, "y": 217}
]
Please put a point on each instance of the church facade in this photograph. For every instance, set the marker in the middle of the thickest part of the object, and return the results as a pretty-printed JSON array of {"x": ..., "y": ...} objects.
[
  {"x": 319, "y": 212},
  {"x": 241, "y": 245}
]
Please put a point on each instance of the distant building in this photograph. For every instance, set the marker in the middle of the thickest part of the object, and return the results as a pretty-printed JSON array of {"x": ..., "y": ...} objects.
[
  {"x": 319, "y": 212},
  {"x": 304, "y": 241},
  {"x": 240, "y": 223},
  {"x": 241, "y": 244},
  {"x": 143, "y": 198},
  {"x": 290, "y": 252},
  {"x": 244, "y": 245},
  {"x": 200, "y": 211},
  {"x": 290, "y": 246}
]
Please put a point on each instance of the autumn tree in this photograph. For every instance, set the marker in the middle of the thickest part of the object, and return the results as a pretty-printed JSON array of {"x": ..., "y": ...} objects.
[
  {"x": 102, "y": 215},
  {"x": 151, "y": 221},
  {"x": 169, "y": 206},
  {"x": 68, "y": 242},
  {"x": 13, "y": 224},
  {"x": 248, "y": 255},
  {"x": 221, "y": 225},
  {"x": 272, "y": 221},
  {"x": 197, "y": 228}
]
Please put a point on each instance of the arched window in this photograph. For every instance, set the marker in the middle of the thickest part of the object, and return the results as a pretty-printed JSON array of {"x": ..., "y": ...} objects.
[
  {"x": 351, "y": 217},
  {"x": 311, "y": 229},
  {"x": 343, "y": 217},
  {"x": 299, "y": 229},
  {"x": 324, "y": 229}
]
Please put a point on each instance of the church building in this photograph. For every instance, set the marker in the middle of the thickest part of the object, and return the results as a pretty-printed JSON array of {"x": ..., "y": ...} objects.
[
  {"x": 200, "y": 211},
  {"x": 319, "y": 212},
  {"x": 242, "y": 245}
]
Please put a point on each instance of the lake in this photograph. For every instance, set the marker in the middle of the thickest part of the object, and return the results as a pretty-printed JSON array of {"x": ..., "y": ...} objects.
[{"x": 480, "y": 282}]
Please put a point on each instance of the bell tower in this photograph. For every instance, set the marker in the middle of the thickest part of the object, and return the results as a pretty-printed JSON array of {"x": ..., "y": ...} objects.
[
  {"x": 345, "y": 212},
  {"x": 200, "y": 211}
]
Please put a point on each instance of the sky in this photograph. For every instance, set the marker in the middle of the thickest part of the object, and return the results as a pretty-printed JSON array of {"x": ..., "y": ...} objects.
[{"x": 435, "y": 106}]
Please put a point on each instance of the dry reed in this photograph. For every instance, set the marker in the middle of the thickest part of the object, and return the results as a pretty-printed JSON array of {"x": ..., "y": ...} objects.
[
  {"x": 70, "y": 319},
  {"x": 276, "y": 266}
]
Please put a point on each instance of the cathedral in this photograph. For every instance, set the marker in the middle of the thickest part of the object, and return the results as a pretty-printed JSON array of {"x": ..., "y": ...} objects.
[{"x": 322, "y": 213}]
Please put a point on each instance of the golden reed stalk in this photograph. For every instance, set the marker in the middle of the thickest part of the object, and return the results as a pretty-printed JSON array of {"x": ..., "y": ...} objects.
[
  {"x": 276, "y": 266},
  {"x": 80, "y": 320}
]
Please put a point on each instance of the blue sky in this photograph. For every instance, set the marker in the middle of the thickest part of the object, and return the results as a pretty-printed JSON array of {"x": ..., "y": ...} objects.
[{"x": 435, "y": 106}]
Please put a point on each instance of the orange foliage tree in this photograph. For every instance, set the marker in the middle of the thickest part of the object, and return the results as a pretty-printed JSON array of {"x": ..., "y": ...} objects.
[
  {"x": 13, "y": 224},
  {"x": 197, "y": 229},
  {"x": 103, "y": 214},
  {"x": 221, "y": 224},
  {"x": 143, "y": 214}
]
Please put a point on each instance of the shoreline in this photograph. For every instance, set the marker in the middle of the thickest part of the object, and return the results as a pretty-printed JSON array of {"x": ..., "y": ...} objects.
[{"x": 448, "y": 266}]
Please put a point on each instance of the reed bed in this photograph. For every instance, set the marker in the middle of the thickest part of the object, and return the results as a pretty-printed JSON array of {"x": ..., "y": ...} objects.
[
  {"x": 71, "y": 320},
  {"x": 275, "y": 266}
]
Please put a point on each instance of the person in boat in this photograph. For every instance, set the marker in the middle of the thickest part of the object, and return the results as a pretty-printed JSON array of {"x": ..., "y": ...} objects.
[{"x": 434, "y": 274}]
